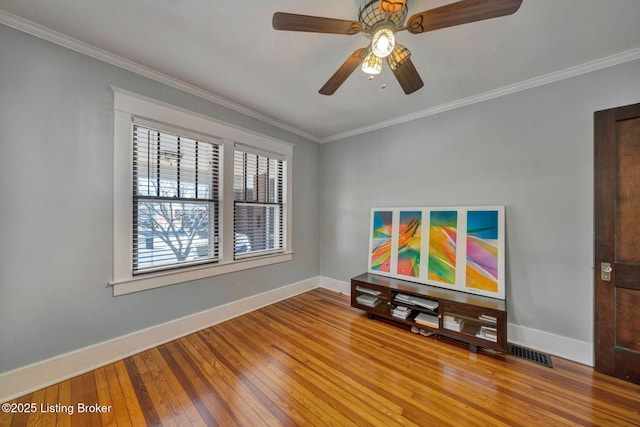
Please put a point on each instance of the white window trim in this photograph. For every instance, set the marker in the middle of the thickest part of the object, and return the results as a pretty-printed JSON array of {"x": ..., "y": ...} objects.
[{"x": 127, "y": 105}]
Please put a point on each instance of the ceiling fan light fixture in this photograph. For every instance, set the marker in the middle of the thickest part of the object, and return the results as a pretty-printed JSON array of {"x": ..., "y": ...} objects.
[
  {"x": 379, "y": 20},
  {"x": 383, "y": 42},
  {"x": 372, "y": 64}
]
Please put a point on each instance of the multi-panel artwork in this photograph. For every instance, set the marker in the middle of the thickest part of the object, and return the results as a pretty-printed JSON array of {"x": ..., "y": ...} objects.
[
  {"x": 380, "y": 260},
  {"x": 443, "y": 240},
  {"x": 482, "y": 250},
  {"x": 409, "y": 243},
  {"x": 459, "y": 248}
]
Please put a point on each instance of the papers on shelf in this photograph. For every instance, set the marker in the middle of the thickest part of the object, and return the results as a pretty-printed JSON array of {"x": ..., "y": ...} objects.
[
  {"x": 368, "y": 291},
  {"x": 401, "y": 312},
  {"x": 368, "y": 300},
  {"x": 413, "y": 300},
  {"x": 429, "y": 320},
  {"x": 488, "y": 319},
  {"x": 487, "y": 333},
  {"x": 452, "y": 323}
]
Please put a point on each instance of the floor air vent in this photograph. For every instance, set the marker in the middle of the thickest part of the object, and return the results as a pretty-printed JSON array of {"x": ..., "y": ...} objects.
[{"x": 532, "y": 355}]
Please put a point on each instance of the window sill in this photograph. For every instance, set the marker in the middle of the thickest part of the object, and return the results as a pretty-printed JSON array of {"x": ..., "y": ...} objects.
[{"x": 166, "y": 278}]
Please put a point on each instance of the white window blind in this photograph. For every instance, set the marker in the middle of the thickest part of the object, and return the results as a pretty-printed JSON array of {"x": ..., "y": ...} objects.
[
  {"x": 259, "y": 203},
  {"x": 175, "y": 199}
]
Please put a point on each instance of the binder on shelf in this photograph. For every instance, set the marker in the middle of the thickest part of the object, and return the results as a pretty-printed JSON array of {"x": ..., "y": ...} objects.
[
  {"x": 367, "y": 291},
  {"x": 487, "y": 333},
  {"x": 401, "y": 312},
  {"x": 452, "y": 323},
  {"x": 368, "y": 300},
  {"x": 489, "y": 319},
  {"x": 429, "y": 320},
  {"x": 413, "y": 300}
]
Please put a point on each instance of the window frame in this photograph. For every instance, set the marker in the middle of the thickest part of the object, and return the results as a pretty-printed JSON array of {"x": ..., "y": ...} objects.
[
  {"x": 128, "y": 105},
  {"x": 212, "y": 202},
  {"x": 280, "y": 187}
]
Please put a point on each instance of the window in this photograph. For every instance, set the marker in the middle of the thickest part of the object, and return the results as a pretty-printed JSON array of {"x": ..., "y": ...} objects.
[
  {"x": 259, "y": 203},
  {"x": 193, "y": 197},
  {"x": 175, "y": 199}
]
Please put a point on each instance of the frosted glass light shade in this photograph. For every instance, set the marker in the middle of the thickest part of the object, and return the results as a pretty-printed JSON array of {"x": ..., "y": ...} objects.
[{"x": 383, "y": 42}]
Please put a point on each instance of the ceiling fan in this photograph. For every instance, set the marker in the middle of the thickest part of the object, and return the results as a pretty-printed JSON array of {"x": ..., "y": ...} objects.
[{"x": 380, "y": 20}]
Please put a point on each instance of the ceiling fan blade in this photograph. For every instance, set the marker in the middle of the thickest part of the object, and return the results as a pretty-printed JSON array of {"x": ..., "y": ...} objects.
[
  {"x": 392, "y": 6},
  {"x": 459, "y": 13},
  {"x": 345, "y": 70},
  {"x": 407, "y": 76},
  {"x": 314, "y": 24}
]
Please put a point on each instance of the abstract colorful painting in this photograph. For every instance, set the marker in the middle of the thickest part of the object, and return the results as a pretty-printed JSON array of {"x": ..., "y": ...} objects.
[
  {"x": 443, "y": 239},
  {"x": 459, "y": 248},
  {"x": 482, "y": 250},
  {"x": 409, "y": 240},
  {"x": 381, "y": 241}
]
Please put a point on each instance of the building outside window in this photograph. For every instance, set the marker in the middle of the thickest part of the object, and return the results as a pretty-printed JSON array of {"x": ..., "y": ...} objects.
[{"x": 259, "y": 202}]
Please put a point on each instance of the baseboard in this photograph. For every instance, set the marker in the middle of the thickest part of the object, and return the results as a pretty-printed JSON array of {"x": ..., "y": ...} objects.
[
  {"x": 567, "y": 348},
  {"x": 34, "y": 377},
  {"x": 335, "y": 285}
]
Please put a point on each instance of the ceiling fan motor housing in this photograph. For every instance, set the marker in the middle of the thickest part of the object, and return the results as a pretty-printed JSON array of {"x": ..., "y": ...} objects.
[{"x": 371, "y": 16}]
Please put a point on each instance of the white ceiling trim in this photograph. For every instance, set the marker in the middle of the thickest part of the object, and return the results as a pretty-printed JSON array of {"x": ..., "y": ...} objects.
[
  {"x": 45, "y": 33},
  {"x": 599, "y": 64}
]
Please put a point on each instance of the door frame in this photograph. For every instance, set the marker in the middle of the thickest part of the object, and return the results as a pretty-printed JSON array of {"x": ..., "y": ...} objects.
[{"x": 607, "y": 358}]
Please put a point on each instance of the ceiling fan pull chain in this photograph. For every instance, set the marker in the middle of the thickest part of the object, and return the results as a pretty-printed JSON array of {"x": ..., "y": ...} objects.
[{"x": 383, "y": 75}]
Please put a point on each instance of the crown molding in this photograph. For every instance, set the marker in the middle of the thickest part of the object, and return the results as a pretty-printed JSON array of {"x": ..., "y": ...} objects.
[
  {"x": 60, "y": 39},
  {"x": 599, "y": 64},
  {"x": 45, "y": 33}
]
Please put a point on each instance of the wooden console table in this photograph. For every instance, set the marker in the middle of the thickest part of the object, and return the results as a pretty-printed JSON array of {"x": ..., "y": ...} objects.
[{"x": 473, "y": 319}]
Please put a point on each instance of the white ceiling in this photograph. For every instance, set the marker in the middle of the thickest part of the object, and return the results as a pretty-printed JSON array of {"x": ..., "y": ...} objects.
[{"x": 229, "y": 50}]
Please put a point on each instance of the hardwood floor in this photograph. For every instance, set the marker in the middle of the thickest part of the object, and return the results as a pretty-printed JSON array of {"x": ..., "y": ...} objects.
[{"x": 314, "y": 360}]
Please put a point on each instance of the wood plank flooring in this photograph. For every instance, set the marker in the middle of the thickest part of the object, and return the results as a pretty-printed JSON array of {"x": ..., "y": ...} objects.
[{"x": 313, "y": 360}]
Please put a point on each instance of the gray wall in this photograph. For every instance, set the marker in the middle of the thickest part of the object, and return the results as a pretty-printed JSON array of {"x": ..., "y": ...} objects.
[
  {"x": 56, "y": 192},
  {"x": 531, "y": 151}
]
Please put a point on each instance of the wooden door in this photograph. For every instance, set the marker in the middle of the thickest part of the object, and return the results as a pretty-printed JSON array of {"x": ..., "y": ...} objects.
[{"x": 617, "y": 242}]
